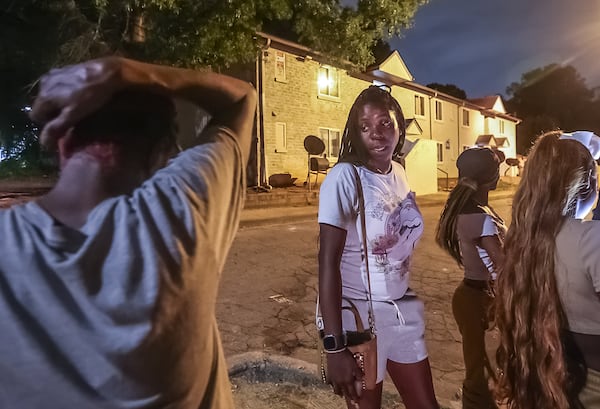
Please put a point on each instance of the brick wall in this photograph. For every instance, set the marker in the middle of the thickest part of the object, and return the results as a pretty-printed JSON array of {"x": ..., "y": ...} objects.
[{"x": 296, "y": 103}]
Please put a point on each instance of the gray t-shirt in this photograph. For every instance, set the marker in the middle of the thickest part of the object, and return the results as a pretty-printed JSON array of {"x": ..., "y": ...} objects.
[
  {"x": 121, "y": 313},
  {"x": 470, "y": 229},
  {"x": 577, "y": 273}
]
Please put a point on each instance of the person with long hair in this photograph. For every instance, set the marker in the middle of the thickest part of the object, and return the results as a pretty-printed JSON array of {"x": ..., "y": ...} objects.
[
  {"x": 373, "y": 137},
  {"x": 548, "y": 294},
  {"x": 472, "y": 233}
]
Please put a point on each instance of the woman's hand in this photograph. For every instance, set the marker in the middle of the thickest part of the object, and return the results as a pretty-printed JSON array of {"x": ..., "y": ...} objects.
[
  {"x": 344, "y": 375},
  {"x": 68, "y": 94}
]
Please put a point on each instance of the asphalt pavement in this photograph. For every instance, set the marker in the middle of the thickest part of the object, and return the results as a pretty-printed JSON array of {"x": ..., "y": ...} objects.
[
  {"x": 266, "y": 306},
  {"x": 268, "y": 290}
]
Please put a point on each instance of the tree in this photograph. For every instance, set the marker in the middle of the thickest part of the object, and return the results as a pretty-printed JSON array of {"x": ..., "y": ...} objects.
[
  {"x": 449, "y": 89},
  {"x": 34, "y": 36},
  {"x": 38, "y": 34},
  {"x": 552, "y": 97}
]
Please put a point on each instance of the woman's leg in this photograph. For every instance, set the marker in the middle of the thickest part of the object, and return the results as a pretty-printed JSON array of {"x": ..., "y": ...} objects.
[
  {"x": 407, "y": 362},
  {"x": 469, "y": 306},
  {"x": 414, "y": 384},
  {"x": 369, "y": 399}
]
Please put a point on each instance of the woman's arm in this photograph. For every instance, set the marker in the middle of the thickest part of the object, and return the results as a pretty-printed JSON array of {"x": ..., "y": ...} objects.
[
  {"x": 342, "y": 369},
  {"x": 493, "y": 246}
]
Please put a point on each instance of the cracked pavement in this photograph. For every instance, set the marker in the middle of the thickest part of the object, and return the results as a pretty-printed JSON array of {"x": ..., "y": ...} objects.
[
  {"x": 268, "y": 291},
  {"x": 267, "y": 300}
]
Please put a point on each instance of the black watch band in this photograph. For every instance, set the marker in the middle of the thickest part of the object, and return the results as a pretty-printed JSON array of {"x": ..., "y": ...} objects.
[{"x": 334, "y": 342}]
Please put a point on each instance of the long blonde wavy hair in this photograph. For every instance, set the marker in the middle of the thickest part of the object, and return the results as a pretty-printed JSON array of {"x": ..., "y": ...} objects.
[{"x": 529, "y": 313}]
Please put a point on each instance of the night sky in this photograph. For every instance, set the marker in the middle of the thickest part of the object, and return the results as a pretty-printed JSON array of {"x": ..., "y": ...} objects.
[{"x": 484, "y": 45}]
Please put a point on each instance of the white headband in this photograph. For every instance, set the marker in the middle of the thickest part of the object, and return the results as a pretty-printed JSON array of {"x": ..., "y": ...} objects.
[{"x": 589, "y": 139}]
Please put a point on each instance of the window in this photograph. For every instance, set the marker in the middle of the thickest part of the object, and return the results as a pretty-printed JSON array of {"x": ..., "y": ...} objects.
[
  {"x": 501, "y": 126},
  {"x": 328, "y": 82},
  {"x": 280, "y": 74},
  {"x": 331, "y": 137},
  {"x": 438, "y": 111},
  {"x": 440, "y": 152},
  {"x": 280, "y": 137},
  {"x": 465, "y": 118},
  {"x": 419, "y": 105}
]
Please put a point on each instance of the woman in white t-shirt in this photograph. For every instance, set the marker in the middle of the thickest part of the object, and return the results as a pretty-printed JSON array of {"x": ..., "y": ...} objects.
[
  {"x": 373, "y": 136},
  {"x": 473, "y": 233},
  {"x": 548, "y": 294}
]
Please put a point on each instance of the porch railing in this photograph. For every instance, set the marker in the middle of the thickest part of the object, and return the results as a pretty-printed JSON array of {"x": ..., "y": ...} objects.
[{"x": 447, "y": 178}]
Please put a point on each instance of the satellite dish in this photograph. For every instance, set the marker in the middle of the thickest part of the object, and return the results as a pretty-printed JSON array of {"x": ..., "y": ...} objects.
[{"x": 314, "y": 145}]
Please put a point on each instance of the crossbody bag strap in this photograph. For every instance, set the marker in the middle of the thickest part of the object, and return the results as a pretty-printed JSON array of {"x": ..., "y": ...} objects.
[{"x": 365, "y": 250}]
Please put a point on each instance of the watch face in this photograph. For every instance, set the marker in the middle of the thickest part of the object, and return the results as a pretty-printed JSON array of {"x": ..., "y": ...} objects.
[{"x": 329, "y": 343}]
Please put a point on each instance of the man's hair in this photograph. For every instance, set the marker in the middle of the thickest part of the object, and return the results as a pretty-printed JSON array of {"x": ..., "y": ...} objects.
[
  {"x": 352, "y": 147},
  {"x": 529, "y": 312},
  {"x": 138, "y": 121}
]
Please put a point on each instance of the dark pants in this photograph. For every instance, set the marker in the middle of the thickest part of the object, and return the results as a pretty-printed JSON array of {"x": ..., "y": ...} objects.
[
  {"x": 590, "y": 395},
  {"x": 470, "y": 308},
  {"x": 596, "y": 212}
]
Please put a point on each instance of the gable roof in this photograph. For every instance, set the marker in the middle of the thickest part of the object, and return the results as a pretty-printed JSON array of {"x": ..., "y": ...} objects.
[
  {"x": 485, "y": 140},
  {"x": 412, "y": 127},
  {"x": 493, "y": 141},
  {"x": 393, "y": 65},
  {"x": 502, "y": 142},
  {"x": 491, "y": 102}
]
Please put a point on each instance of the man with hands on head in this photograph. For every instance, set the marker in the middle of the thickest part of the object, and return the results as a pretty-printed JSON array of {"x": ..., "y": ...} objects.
[{"x": 108, "y": 283}]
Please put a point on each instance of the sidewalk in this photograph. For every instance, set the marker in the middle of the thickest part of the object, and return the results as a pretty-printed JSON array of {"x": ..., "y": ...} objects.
[{"x": 295, "y": 204}]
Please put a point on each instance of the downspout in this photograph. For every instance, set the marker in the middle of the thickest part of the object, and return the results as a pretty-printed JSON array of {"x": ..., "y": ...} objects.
[
  {"x": 260, "y": 128},
  {"x": 458, "y": 123},
  {"x": 431, "y": 116}
]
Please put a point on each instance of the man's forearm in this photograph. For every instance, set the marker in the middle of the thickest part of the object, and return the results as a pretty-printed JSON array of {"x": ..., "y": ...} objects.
[
  {"x": 211, "y": 91},
  {"x": 69, "y": 94}
]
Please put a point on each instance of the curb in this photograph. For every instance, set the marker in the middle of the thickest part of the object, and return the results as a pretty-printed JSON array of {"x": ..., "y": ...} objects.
[
  {"x": 261, "y": 367},
  {"x": 309, "y": 214},
  {"x": 296, "y": 214},
  {"x": 432, "y": 202}
]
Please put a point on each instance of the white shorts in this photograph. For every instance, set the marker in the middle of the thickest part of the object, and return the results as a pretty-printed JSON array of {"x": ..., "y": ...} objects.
[{"x": 399, "y": 326}]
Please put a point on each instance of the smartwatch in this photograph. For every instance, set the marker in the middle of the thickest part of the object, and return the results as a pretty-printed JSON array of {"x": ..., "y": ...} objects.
[{"x": 334, "y": 342}]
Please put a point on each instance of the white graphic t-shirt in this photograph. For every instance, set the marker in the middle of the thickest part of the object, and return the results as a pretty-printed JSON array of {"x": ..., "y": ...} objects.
[{"x": 394, "y": 226}]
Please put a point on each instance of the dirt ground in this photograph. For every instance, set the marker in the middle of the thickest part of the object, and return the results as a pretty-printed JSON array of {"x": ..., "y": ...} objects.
[{"x": 267, "y": 395}]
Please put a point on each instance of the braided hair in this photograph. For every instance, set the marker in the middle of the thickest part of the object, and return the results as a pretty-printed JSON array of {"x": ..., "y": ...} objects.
[{"x": 352, "y": 148}]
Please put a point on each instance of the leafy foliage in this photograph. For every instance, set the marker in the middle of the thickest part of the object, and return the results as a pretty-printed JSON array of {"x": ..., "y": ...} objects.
[
  {"x": 36, "y": 35},
  {"x": 449, "y": 89},
  {"x": 552, "y": 97}
]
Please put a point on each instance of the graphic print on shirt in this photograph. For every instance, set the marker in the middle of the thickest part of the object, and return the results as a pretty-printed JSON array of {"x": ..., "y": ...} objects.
[{"x": 403, "y": 227}]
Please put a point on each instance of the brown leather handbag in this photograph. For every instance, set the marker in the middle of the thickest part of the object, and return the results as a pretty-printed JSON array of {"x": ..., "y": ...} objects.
[
  {"x": 361, "y": 343},
  {"x": 363, "y": 346}
]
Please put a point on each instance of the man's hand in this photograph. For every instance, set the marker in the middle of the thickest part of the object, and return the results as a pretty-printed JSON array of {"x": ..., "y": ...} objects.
[{"x": 68, "y": 94}]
